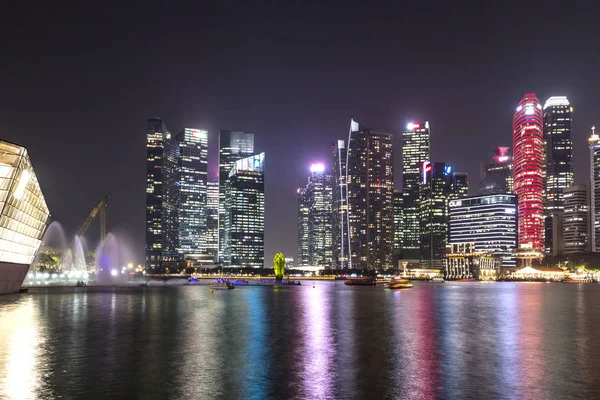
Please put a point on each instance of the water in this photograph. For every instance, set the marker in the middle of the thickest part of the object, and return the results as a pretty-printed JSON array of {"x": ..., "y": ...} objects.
[{"x": 452, "y": 340}]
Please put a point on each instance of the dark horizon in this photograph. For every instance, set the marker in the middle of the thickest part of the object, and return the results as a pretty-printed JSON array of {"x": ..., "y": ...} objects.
[{"x": 79, "y": 83}]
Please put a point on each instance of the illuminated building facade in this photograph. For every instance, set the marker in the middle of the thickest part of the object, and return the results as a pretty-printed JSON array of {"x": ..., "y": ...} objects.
[
  {"x": 398, "y": 226},
  {"x": 496, "y": 173},
  {"x": 370, "y": 189},
  {"x": 558, "y": 148},
  {"x": 340, "y": 240},
  {"x": 233, "y": 146},
  {"x": 576, "y": 223},
  {"x": 460, "y": 185},
  {"x": 23, "y": 218},
  {"x": 527, "y": 171},
  {"x": 162, "y": 194},
  {"x": 192, "y": 207},
  {"x": 594, "y": 144},
  {"x": 212, "y": 219},
  {"x": 415, "y": 151},
  {"x": 315, "y": 219},
  {"x": 245, "y": 213},
  {"x": 487, "y": 221}
]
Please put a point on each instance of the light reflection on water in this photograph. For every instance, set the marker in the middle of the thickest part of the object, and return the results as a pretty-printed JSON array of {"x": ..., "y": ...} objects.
[{"x": 456, "y": 340}]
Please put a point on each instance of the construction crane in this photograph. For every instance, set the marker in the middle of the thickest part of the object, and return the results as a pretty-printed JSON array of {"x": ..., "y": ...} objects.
[{"x": 99, "y": 209}]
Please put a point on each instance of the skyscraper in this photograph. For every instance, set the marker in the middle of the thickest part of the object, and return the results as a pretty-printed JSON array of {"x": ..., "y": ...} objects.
[
  {"x": 233, "y": 146},
  {"x": 594, "y": 143},
  {"x": 558, "y": 167},
  {"x": 192, "y": 205},
  {"x": 245, "y": 213},
  {"x": 527, "y": 171},
  {"x": 460, "y": 185},
  {"x": 370, "y": 187},
  {"x": 303, "y": 256},
  {"x": 496, "y": 173},
  {"x": 415, "y": 151},
  {"x": 398, "y": 226},
  {"x": 162, "y": 194},
  {"x": 340, "y": 240},
  {"x": 576, "y": 211},
  {"x": 212, "y": 219}
]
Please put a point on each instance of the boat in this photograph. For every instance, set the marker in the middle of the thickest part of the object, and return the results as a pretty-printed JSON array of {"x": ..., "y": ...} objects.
[
  {"x": 24, "y": 289},
  {"x": 437, "y": 280},
  {"x": 578, "y": 279},
  {"x": 399, "y": 284},
  {"x": 221, "y": 285},
  {"x": 360, "y": 282},
  {"x": 292, "y": 283}
]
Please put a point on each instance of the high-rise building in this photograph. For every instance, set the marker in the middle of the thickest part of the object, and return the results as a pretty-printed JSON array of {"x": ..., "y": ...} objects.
[
  {"x": 340, "y": 240},
  {"x": 303, "y": 256},
  {"x": 162, "y": 194},
  {"x": 460, "y": 185},
  {"x": 212, "y": 219},
  {"x": 370, "y": 187},
  {"x": 315, "y": 219},
  {"x": 527, "y": 171},
  {"x": 496, "y": 173},
  {"x": 489, "y": 222},
  {"x": 435, "y": 191},
  {"x": 558, "y": 149},
  {"x": 23, "y": 218},
  {"x": 398, "y": 226},
  {"x": 594, "y": 143},
  {"x": 233, "y": 146},
  {"x": 415, "y": 151},
  {"x": 245, "y": 213},
  {"x": 575, "y": 225},
  {"x": 193, "y": 172}
]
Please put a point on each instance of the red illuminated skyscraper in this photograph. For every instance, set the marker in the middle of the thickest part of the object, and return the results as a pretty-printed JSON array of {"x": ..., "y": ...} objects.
[{"x": 527, "y": 171}]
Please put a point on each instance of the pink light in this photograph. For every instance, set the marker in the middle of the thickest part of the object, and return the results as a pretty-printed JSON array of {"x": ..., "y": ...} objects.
[{"x": 318, "y": 167}]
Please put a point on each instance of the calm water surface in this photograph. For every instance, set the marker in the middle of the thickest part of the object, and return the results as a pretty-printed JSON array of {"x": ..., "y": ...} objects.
[{"x": 452, "y": 340}]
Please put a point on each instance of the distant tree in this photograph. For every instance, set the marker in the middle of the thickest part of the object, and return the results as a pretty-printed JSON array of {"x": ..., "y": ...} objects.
[{"x": 279, "y": 266}]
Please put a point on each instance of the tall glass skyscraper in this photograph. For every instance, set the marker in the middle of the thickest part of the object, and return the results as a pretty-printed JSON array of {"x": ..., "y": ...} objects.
[
  {"x": 315, "y": 219},
  {"x": 233, "y": 146},
  {"x": 193, "y": 169},
  {"x": 245, "y": 213},
  {"x": 340, "y": 238},
  {"x": 162, "y": 194},
  {"x": 528, "y": 180},
  {"x": 369, "y": 198},
  {"x": 496, "y": 173},
  {"x": 594, "y": 143},
  {"x": 398, "y": 226},
  {"x": 416, "y": 150},
  {"x": 212, "y": 219},
  {"x": 559, "y": 167},
  {"x": 576, "y": 223}
]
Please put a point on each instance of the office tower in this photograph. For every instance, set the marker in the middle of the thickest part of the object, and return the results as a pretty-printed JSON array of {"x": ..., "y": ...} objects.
[
  {"x": 212, "y": 219},
  {"x": 233, "y": 146},
  {"x": 435, "y": 190},
  {"x": 527, "y": 171},
  {"x": 398, "y": 227},
  {"x": 162, "y": 194},
  {"x": 460, "y": 184},
  {"x": 193, "y": 172},
  {"x": 576, "y": 222},
  {"x": 558, "y": 162},
  {"x": 487, "y": 221},
  {"x": 415, "y": 151},
  {"x": 594, "y": 144},
  {"x": 303, "y": 258},
  {"x": 370, "y": 187},
  {"x": 496, "y": 173},
  {"x": 315, "y": 219},
  {"x": 245, "y": 213},
  {"x": 340, "y": 242},
  {"x": 23, "y": 218}
]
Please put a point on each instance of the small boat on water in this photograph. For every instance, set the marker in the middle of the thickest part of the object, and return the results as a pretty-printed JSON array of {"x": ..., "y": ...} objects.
[
  {"x": 437, "y": 280},
  {"x": 360, "y": 282},
  {"x": 24, "y": 289},
  {"x": 292, "y": 283},
  {"x": 399, "y": 284},
  {"x": 221, "y": 285}
]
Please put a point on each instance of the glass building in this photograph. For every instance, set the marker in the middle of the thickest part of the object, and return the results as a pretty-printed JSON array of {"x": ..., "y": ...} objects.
[
  {"x": 496, "y": 173},
  {"x": 340, "y": 240},
  {"x": 398, "y": 226},
  {"x": 460, "y": 185},
  {"x": 415, "y": 151},
  {"x": 315, "y": 219},
  {"x": 162, "y": 194},
  {"x": 193, "y": 170},
  {"x": 489, "y": 222},
  {"x": 594, "y": 144},
  {"x": 212, "y": 219},
  {"x": 245, "y": 213},
  {"x": 528, "y": 157},
  {"x": 23, "y": 218},
  {"x": 233, "y": 146},
  {"x": 558, "y": 149},
  {"x": 576, "y": 224}
]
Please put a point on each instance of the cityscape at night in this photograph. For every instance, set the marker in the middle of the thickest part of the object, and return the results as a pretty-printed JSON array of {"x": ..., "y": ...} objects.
[{"x": 300, "y": 200}]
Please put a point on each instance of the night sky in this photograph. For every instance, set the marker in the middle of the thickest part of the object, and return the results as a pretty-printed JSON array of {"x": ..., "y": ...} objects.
[{"x": 78, "y": 82}]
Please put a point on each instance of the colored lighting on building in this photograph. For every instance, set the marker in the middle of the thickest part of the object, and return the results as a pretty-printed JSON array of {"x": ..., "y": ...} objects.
[
  {"x": 412, "y": 126},
  {"x": 317, "y": 168}
]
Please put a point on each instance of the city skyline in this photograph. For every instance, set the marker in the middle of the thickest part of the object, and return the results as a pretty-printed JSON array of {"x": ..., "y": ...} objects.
[{"x": 470, "y": 107}]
